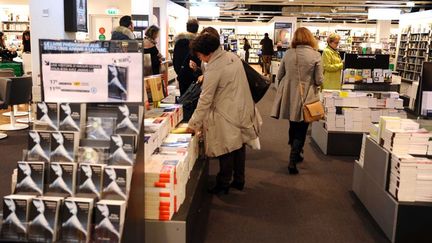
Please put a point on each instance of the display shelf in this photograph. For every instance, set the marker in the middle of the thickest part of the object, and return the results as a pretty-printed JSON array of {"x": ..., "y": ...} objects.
[
  {"x": 188, "y": 225},
  {"x": 401, "y": 222}
]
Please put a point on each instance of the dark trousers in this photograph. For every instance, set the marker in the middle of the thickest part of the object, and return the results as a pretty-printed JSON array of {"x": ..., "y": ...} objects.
[
  {"x": 229, "y": 163},
  {"x": 247, "y": 57},
  {"x": 297, "y": 136}
]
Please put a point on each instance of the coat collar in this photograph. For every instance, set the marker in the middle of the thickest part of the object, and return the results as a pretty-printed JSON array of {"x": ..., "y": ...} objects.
[
  {"x": 216, "y": 55},
  {"x": 304, "y": 46}
]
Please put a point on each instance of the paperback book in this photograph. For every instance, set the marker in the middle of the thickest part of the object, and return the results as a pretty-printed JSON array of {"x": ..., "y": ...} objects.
[
  {"x": 46, "y": 116},
  {"x": 15, "y": 216},
  {"x": 44, "y": 223},
  {"x": 116, "y": 182},
  {"x": 122, "y": 148},
  {"x": 90, "y": 179},
  {"x": 109, "y": 221},
  {"x": 30, "y": 178},
  {"x": 70, "y": 117},
  {"x": 39, "y": 146},
  {"x": 128, "y": 119},
  {"x": 63, "y": 146},
  {"x": 76, "y": 219},
  {"x": 61, "y": 179}
]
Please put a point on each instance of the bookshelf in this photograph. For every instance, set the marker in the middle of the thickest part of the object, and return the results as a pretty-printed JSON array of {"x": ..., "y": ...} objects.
[
  {"x": 414, "y": 46},
  {"x": 254, "y": 41}
]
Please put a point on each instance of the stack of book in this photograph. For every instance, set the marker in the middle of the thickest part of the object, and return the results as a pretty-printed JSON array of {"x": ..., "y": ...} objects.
[
  {"x": 411, "y": 178},
  {"x": 355, "y": 111}
]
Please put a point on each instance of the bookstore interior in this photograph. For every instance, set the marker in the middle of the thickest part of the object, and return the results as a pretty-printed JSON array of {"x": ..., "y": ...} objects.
[{"x": 96, "y": 146}]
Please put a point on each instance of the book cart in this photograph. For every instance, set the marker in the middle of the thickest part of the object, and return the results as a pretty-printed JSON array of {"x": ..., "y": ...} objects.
[
  {"x": 359, "y": 74},
  {"x": 80, "y": 179}
]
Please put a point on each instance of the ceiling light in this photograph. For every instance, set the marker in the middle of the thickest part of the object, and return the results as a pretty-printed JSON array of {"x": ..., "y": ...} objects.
[
  {"x": 291, "y": 0},
  {"x": 205, "y": 1},
  {"x": 384, "y": 13},
  {"x": 328, "y": 18},
  {"x": 410, "y": 4}
]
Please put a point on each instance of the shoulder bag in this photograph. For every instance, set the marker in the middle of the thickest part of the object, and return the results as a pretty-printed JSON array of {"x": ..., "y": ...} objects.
[
  {"x": 313, "y": 111},
  {"x": 258, "y": 84}
]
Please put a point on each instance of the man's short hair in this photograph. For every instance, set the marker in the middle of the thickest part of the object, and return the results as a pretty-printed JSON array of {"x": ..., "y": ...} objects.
[
  {"x": 266, "y": 34},
  {"x": 125, "y": 21},
  {"x": 192, "y": 26}
]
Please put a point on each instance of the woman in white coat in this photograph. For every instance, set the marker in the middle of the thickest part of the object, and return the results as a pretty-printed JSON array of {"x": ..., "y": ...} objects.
[{"x": 225, "y": 111}]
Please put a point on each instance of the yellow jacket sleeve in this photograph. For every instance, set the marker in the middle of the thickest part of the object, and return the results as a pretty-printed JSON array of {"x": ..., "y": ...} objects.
[{"x": 327, "y": 65}]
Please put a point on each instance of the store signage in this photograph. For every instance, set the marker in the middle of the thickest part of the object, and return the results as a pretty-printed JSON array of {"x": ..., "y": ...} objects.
[
  {"x": 283, "y": 34},
  {"x": 98, "y": 72},
  {"x": 112, "y": 11},
  {"x": 366, "y": 57}
]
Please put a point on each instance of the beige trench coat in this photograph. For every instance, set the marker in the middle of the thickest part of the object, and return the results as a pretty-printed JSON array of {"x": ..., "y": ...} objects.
[
  {"x": 288, "y": 103},
  {"x": 225, "y": 109}
]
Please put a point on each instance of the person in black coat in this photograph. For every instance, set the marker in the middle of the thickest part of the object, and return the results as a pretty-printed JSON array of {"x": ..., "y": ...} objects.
[
  {"x": 246, "y": 48},
  {"x": 26, "y": 41},
  {"x": 182, "y": 56},
  {"x": 125, "y": 30},
  {"x": 151, "y": 35}
]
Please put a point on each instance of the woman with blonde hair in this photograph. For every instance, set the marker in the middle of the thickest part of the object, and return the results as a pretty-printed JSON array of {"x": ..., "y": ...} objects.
[
  {"x": 300, "y": 75},
  {"x": 332, "y": 63}
]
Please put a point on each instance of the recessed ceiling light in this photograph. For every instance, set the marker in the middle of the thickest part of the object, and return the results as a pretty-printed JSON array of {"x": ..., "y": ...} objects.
[
  {"x": 291, "y": 0},
  {"x": 410, "y": 4}
]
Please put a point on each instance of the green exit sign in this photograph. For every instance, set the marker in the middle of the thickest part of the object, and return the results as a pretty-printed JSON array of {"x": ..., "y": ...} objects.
[{"x": 112, "y": 11}]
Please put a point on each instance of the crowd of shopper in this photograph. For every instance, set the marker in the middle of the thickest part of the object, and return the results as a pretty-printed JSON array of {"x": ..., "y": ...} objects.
[{"x": 226, "y": 112}]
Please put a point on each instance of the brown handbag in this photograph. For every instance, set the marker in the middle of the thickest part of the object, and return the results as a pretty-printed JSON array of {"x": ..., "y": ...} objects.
[{"x": 313, "y": 111}]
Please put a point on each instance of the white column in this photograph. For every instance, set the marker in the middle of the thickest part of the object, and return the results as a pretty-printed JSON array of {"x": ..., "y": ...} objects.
[
  {"x": 383, "y": 30},
  {"x": 47, "y": 22}
]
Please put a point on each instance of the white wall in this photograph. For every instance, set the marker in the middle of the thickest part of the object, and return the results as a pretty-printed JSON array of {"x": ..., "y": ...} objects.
[
  {"x": 19, "y": 2},
  {"x": 51, "y": 27},
  {"x": 240, "y": 27},
  {"x": 99, "y": 6}
]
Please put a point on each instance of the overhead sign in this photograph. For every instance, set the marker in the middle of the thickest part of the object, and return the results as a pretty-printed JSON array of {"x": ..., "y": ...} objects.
[
  {"x": 90, "y": 72},
  {"x": 112, "y": 11}
]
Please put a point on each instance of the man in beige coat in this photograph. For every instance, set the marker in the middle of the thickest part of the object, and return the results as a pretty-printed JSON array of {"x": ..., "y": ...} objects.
[{"x": 225, "y": 111}]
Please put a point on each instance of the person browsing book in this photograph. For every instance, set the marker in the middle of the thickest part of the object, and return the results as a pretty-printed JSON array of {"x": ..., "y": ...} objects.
[
  {"x": 332, "y": 63},
  {"x": 299, "y": 76},
  {"x": 225, "y": 111}
]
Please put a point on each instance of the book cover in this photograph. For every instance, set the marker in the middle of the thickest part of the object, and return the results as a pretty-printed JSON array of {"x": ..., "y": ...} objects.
[
  {"x": 61, "y": 179},
  {"x": 100, "y": 128},
  {"x": 70, "y": 117},
  {"x": 117, "y": 83},
  {"x": 39, "y": 146},
  {"x": 63, "y": 146},
  {"x": 90, "y": 179},
  {"x": 15, "y": 217},
  {"x": 116, "y": 182},
  {"x": 93, "y": 155},
  {"x": 30, "y": 178},
  {"x": 46, "y": 116},
  {"x": 109, "y": 221},
  {"x": 44, "y": 219},
  {"x": 128, "y": 119},
  {"x": 122, "y": 148},
  {"x": 76, "y": 219}
]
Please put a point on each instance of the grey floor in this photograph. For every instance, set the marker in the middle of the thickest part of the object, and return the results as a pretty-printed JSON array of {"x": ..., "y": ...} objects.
[{"x": 315, "y": 206}]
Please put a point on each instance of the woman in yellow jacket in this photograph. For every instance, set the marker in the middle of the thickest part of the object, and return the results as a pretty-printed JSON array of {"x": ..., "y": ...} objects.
[{"x": 332, "y": 63}]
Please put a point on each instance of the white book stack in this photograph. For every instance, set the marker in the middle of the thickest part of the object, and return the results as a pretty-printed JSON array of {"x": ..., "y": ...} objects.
[
  {"x": 419, "y": 142},
  {"x": 396, "y": 140},
  {"x": 411, "y": 178}
]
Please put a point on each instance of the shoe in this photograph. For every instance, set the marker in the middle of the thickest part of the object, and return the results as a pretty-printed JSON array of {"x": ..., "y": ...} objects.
[
  {"x": 218, "y": 189},
  {"x": 237, "y": 185},
  {"x": 293, "y": 170}
]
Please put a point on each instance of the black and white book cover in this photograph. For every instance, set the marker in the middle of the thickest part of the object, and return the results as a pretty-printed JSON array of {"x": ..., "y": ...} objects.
[
  {"x": 116, "y": 182},
  {"x": 117, "y": 83},
  {"x": 90, "y": 179},
  {"x": 44, "y": 220},
  {"x": 128, "y": 119},
  {"x": 76, "y": 219},
  {"x": 100, "y": 128},
  {"x": 109, "y": 221},
  {"x": 39, "y": 146},
  {"x": 15, "y": 216},
  {"x": 61, "y": 179},
  {"x": 122, "y": 148},
  {"x": 30, "y": 178},
  {"x": 70, "y": 117},
  {"x": 93, "y": 155},
  {"x": 46, "y": 116},
  {"x": 63, "y": 146}
]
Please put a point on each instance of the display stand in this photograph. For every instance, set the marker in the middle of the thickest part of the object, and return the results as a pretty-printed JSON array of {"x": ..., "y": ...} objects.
[
  {"x": 336, "y": 143},
  {"x": 188, "y": 224},
  {"x": 400, "y": 221}
]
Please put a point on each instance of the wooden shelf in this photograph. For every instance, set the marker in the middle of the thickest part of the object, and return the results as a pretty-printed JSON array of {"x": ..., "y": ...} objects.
[{"x": 16, "y": 22}]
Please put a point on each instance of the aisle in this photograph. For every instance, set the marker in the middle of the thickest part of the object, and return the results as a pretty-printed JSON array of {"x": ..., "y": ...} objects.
[{"x": 315, "y": 206}]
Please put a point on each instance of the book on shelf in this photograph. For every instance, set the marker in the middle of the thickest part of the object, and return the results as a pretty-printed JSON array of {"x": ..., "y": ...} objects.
[
  {"x": 89, "y": 181},
  {"x": 64, "y": 146},
  {"x": 44, "y": 219},
  {"x": 122, "y": 149},
  {"x": 15, "y": 217},
  {"x": 39, "y": 146},
  {"x": 61, "y": 179},
  {"x": 109, "y": 221},
  {"x": 76, "y": 218},
  {"x": 46, "y": 116},
  {"x": 30, "y": 178},
  {"x": 71, "y": 117},
  {"x": 116, "y": 182}
]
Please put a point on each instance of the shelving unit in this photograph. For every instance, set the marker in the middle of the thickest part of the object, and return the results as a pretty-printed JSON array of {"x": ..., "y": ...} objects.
[
  {"x": 414, "y": 48},
  {"x": 254, "y": 41},
  {"x": 13, "y": 31}
]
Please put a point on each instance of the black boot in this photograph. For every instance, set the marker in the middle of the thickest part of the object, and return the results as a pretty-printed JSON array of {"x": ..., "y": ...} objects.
[
  {"x": 218, "y": 189},
  {"x": 237, "y": 185}
]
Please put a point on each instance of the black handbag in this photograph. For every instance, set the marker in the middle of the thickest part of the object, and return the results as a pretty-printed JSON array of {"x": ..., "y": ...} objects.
[
  {"x": 189, "y": 100},
  {"x": 258, "y": 84}
]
